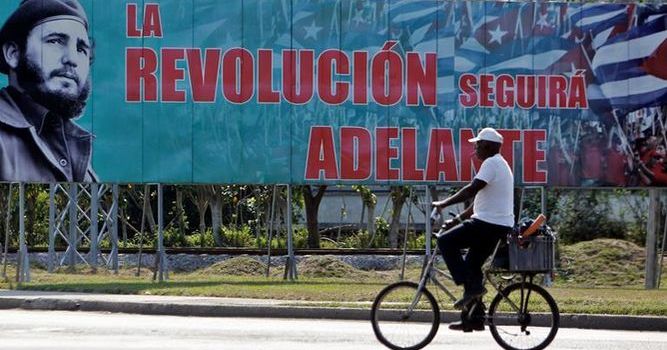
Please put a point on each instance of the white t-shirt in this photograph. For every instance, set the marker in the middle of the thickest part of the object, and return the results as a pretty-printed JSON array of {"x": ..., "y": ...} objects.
[{"x": 495, "y": 202}]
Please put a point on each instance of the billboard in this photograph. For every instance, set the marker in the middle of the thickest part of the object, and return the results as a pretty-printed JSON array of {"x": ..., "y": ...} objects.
[{"x": 331, "y": 91}]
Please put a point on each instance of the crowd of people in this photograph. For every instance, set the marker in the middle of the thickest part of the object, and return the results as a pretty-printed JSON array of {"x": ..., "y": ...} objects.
[{"x": 625, "y": 151}]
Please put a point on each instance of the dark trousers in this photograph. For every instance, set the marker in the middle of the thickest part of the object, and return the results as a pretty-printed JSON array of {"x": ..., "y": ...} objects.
[{"x": 480, "y": 238}]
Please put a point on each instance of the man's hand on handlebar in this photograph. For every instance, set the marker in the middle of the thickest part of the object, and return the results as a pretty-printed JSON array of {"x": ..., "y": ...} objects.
[{"x": 450, "y": 223}]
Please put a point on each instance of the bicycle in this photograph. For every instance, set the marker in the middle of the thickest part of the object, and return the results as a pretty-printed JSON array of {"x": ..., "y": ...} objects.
[{"x": 522, "y": 315}]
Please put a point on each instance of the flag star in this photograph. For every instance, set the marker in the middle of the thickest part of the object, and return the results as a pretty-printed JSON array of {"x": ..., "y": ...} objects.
[
  {"x": 543, "y": 21},
  {"x": 358, "y": 17},
  {"x": 497, "y": 35},
  {"x": 311, "y": 31}
]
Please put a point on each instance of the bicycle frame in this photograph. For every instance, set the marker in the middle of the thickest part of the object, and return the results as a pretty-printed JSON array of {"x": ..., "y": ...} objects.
[{"x": 430, "y": 273}]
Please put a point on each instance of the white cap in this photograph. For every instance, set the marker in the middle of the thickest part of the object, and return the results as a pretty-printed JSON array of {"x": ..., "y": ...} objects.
[{"x": 488, "y": 134}]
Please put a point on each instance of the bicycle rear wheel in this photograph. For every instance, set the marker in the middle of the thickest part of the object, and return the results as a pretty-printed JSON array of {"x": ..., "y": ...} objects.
[
  {"x": 403, "y": 318},
  {"x": 523, "y": 316}
]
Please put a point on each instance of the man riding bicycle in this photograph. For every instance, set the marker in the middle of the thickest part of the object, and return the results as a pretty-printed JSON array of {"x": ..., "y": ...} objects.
[{"x": 480, "y": 226}]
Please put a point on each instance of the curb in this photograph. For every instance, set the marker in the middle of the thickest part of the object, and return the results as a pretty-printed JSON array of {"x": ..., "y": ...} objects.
[{"x": 608, "y": 322}]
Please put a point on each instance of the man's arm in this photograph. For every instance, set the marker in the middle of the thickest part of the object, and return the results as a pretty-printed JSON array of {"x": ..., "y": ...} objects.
[
  {"x": 467, "y": 192},
  {"x": 458, "y": 219}
]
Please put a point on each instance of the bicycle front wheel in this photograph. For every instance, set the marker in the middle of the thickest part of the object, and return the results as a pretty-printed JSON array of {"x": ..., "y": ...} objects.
[
  {"x": 523, "y": 316},
  {"x": 405, "y": 318}
]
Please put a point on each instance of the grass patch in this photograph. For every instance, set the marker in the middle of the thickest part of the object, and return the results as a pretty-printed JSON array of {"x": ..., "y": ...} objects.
[
  {"x": 602, "y": 262},
  {"x": 598, "y": 277},
  {"x": 238, "y": 266}
]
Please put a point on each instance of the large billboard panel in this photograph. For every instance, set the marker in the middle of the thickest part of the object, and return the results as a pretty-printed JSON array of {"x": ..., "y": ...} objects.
[{"x": 331, "y": 91}]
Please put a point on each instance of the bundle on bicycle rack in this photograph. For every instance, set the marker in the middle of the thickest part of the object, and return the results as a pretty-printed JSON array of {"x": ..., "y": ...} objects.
[{"x": 531, "y": 247}]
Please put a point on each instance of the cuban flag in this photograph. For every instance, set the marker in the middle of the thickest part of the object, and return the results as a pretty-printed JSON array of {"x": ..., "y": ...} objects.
[
  {"x": 600, "y": 21},
  {"x": 631, "y": 67},
  {"x": 430, "y": 26}
]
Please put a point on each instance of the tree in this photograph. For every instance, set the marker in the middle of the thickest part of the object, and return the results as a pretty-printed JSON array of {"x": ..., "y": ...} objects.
[
  {"x": 399, "y": 194},
  {"x": 369, "y": 201},
  {"x": 200, "y": 199},
  {"x": 312, "y": 206},
  {"x": 216, "y": 201}
]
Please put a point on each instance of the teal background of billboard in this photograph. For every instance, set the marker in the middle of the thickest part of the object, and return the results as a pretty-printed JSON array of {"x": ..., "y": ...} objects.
[{"x": 255, "y": 143}]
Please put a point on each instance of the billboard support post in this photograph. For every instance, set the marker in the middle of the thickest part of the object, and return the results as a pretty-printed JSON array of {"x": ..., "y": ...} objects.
[
  {"x": 7, "y": 218},
  {"x": 114, "y": 228},
  {"x": 73, "y": 221},
  {"x": 290, "y": 265},
  {"x": 427, "y": 222},
  {"x": 160, "y": 258},
  {"x": 94, "y": 204},
  {"x": 405, "y": 235},
  {"x": 78, "y": 216},
  {"x": 23, "y": 272},
  {"x": 272, "y": 214},
  {"x": 52, "y": 228},
  {"x": 652, "y": 228}
]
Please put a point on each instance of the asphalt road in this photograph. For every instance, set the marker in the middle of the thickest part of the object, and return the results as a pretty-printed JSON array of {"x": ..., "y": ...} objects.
[{"x": 55, "y": 330}]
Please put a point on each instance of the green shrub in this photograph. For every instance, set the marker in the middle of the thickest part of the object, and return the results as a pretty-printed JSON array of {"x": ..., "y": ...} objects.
[
  {"x": 174, "y": 238},
  {"x": 362, "y": 239},
  {"x": 585, "y": 216},
  {"x": 233, "y": 237},
  {"x": 194, "y": 240}
]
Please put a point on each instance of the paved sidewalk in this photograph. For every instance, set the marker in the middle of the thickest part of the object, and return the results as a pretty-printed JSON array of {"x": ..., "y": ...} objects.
[{"x": 238, "y": 307}]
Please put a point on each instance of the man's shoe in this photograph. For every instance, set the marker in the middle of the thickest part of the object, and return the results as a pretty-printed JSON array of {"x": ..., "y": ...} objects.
[
  {"x": 467, "y": 327},
  {"x": 468, "y": 298}
]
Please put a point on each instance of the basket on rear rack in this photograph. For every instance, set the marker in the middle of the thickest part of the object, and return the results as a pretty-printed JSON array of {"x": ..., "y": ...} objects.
[{"x": 533, "y": 254}]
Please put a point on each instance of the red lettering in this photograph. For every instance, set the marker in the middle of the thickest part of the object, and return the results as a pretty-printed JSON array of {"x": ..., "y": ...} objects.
[
  {"x": 141, "y": 64},
  {"x": 321, "y": 154},
  {"x": 541, "y": 91},
  {"x": 525, "y": 91},
  {"x": 298, "y": 91},
  {"x": 385, "y": 153},
  {"x": 421, "y": 79},
  {"x": 507, "y": 149},
  {"x": 504, "y": 91},
  {"x": 204, "y": 80},
  {"x": 387, "y": 73},
  {"x": 265, "y": 92},
  {"x": 469, "y": 161},
  {"x": 355, "y": 153},
  {"x": 152, "y": 21},
  {"x": 339, "y": 60},
  {"x": 577, "y": 96},
  {"x": 131, "y": 21},
  {"x": 441, "y": 159},
  {"x": 467, "y": 83},
  {"x": 557, "y": 97},
  {"x": 533, "y": 157},
  {"x": 171, "y": 74},
  {"x": 237, "y": 75},
  {"x": 409, "y": 156},
  {"x": 360, "y": 77},
  {"x": 485, "y": 90}
]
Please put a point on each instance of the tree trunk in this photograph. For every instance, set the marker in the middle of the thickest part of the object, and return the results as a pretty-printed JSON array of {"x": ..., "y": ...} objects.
[
  {"x": 123, "y": 227},
  {"x": 216, "y": 219},
  {"x": 30, "y": 202},
  {"x": 312, "y": 205},
  {"x": 398, "y": 196},
  {"x": 201, "y": 202},
  {"x": 181, "y": 214},
  {"x": 371, "y": 220}
]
